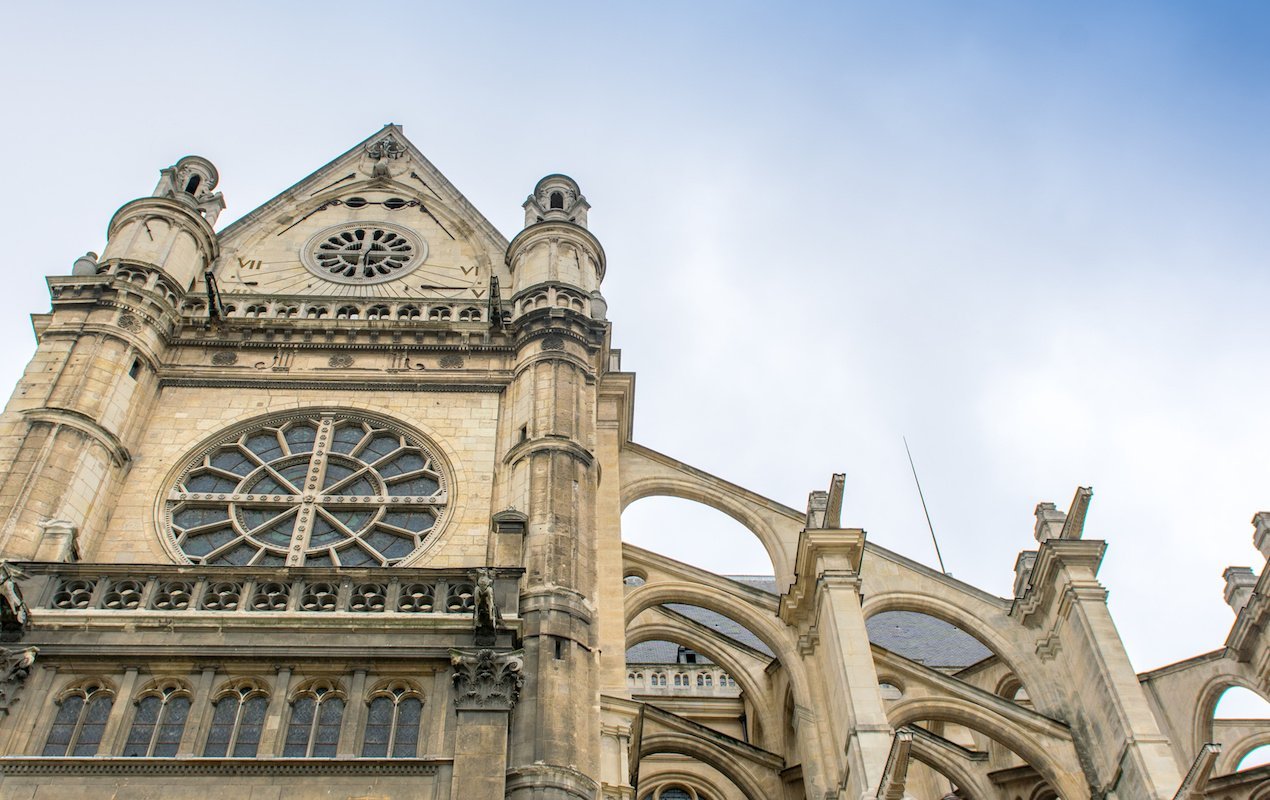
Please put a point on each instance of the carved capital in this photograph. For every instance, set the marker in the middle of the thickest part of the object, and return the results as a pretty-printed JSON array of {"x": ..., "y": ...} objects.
[{"x": 485, "y": 680}]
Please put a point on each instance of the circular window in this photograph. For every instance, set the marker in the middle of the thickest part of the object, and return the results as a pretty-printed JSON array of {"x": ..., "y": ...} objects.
[
  {"x": 364, "y": 252},
  {"x": 319, "y": 490}
]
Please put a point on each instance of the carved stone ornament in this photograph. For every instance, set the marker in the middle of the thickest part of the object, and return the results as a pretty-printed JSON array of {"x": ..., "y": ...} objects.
[
  {"x": 225, "y": 359},
  {"x": 16, "y": 666},
  {"x": 129, "y": 322},
  {"x": 387, "y": 147},
  {"x": 485, "y": 616},
  {"x": 340, "y": 360},
  {"x": 451, "y": 361},
  {"x": 552, "y": 343},
  {"x": 485, "y": 680},
  {"x": 14, "y": 616}
]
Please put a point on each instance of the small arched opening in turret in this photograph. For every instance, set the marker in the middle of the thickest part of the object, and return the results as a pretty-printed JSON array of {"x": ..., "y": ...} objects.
[
  {"x": 557, "y": 201},
  {"x": 191, "y": 186}
]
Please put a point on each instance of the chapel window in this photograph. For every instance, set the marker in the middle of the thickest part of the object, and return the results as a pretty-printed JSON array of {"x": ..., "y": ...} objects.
[
  {"x": 238, "y": 716},
  {"x": 159, "y": 721},
  {"x": 80, "y": 721},
  {"x": 314, "y": 729},
  {"x": 392, "y": 723}
]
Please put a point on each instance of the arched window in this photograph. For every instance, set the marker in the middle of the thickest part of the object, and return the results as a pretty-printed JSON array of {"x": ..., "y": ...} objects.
[
  {"x": 288, "y": 312},
  {"x": 159, "y": 721},
  {"x": 315, "y": 312},
  {"x": 314, "y": 729},
  {"x": 377, "y": 312},
  {"x": 238, "y": 715},
  {"x": 347, "y": 312},
  {"x": 191, "y": 186},
  {"x": 392, "y": 724},
  {"x": 439, "y": 314},
  {"x": 557, "y": 200},
  {"x": 80, "y": 721},
  {"x": 408, "y": 312},
  {"x": 255, "y": 311},
  {"x": 470, "y": 315}
]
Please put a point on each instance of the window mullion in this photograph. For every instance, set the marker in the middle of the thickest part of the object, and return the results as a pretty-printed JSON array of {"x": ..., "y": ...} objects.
[
  {"x": 233, "y": 731},
  {"x": 313, "y": 727},
  {"x": 314, "y": 478},
  {"x": 158, "y": 724},
  {"x": 79, "y": 726},
  {"x": 392, "y": 729}
]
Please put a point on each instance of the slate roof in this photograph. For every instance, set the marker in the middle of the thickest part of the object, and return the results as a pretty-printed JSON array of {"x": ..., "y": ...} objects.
[{"x": 924, "y": 639}]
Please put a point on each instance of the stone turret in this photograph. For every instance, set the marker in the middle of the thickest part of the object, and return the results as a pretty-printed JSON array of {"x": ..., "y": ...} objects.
[
  {"x": 555, "y": 261},
  {"x": 170, "y": 231},
  {"x": 551, "y": 475}
]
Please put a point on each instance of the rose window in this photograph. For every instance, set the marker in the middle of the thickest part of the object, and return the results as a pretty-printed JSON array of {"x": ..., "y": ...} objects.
[
  {"x": 316, "y": 491},
  {"x": 358, "y": 253}
]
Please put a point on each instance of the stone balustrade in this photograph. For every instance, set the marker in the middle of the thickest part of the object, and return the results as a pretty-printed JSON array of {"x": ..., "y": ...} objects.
[{"x": 247, "y": 590}]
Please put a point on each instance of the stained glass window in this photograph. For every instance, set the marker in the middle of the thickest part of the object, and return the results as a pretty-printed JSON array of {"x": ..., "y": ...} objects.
[
  {"x": 237, "y": 719},
  {"x": 318, "y": 490},
  {"x": 392, "y": 724},
  {"x": 80, "y": 722},
  {"x": 158, "y": 723},
  {"x": 314, "y": 729}
]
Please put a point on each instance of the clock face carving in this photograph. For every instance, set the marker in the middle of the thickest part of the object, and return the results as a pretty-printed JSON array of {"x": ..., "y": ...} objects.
[{"x": 363, "y": 253}]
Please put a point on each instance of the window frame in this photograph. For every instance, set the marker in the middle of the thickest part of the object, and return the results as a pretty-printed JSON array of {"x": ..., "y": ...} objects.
[
  {"x": 397, "y": 692},
  {"x": 90, "y": 692},
  {"x": 167, "y": 692}
]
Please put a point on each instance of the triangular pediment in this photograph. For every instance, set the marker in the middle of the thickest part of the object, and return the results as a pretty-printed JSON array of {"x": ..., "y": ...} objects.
[{"x": 378, "y": 221}]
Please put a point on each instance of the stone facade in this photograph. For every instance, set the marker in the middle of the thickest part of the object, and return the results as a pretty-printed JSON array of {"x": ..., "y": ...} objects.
[{"x": 327, "y": 504}]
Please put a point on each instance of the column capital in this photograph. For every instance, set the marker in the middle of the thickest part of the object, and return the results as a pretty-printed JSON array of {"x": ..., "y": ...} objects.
[{"x": 485, "y": 680}]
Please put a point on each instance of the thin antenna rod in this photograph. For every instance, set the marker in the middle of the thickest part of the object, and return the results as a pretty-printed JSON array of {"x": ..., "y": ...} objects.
[{"x": 924, "y": 509}]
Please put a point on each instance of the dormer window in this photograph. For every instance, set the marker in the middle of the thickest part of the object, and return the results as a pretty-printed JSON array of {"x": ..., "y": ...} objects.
[{"x": 557, "y": 201}]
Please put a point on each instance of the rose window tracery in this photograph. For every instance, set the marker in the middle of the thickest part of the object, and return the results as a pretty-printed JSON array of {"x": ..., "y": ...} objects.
[
  {"x": 318, "y": 491},
  {"x": 363, "y": 253}
]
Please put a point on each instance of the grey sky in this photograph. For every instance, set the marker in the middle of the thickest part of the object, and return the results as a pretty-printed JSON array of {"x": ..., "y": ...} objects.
[{"x": 1030, "y": 238}]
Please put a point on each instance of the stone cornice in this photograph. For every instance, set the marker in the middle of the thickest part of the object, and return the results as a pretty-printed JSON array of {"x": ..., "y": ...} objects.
[
  {"x": 1048, "y": 584},
  {"x": 823, "y": 554},
  {"x": 19, "y": 765},
  {"x": 345, "y": 385}
]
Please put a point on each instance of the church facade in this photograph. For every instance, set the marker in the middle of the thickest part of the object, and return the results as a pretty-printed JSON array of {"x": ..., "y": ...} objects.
[{"x": 327, "y": 504}]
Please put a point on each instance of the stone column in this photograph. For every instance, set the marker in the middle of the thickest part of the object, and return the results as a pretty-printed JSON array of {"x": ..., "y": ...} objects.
[
  {"x": 486, "y": 687},
  {"x": 200, "y": 709}
]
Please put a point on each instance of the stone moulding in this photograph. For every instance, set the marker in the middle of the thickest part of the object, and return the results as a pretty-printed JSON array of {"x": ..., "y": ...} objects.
[{"x": 221, "y": 766}]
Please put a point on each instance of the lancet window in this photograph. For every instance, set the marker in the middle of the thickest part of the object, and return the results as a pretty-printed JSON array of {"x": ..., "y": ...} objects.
[
  {"x": 314, "y": 728},
  {"x": 159, "y": 721},
  {"x": 392, "y": 723},
  {"x": 238, "y": 716},
  {"x": 81, "y": 720}
]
